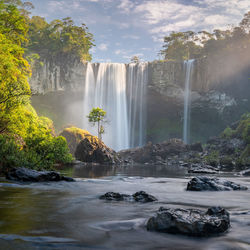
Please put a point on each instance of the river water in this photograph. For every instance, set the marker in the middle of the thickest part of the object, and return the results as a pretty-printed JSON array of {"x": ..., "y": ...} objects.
[{"x": 71, "y": 215}]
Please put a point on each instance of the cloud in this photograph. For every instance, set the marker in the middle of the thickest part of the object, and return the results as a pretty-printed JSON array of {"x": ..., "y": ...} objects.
[
  {"x": 135, "y": 37},
  {"x": 160, "y": 17},
  {"x": 103, "y": 47},
  {"x": 126, "y": 6}
]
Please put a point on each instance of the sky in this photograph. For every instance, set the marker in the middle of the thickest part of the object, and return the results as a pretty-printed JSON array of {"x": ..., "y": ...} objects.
[{"x": 125, "y": 28}]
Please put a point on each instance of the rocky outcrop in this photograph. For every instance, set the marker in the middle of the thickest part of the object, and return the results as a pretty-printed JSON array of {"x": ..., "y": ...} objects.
[
  {"x": 191, "y": 222},
  {"x": 74, "y": 136},
  {"x": 212, "y": 184},
  {"x": 140, "y": 196},
  {"x": 28, "y": 175},
  {"x": 159, "y": 153},
  {"x": 202, "y": 169},
  {"x": 58, "y": 74},
  {"x": 91, "y": 149}
]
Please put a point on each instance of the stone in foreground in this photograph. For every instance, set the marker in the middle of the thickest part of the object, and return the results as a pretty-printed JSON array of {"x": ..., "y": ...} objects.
[
  {"x": 192, "y": 222},
  {"x": 204, "y": 183},
  {"x": 29, "y": 175},
  {"x": 140, "y": 196}
]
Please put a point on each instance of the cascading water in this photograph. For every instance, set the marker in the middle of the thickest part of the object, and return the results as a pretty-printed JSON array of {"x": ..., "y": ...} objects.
[
  {"x": 188, "y": 65},
  {"x": 137, "y": 78},
  {"x": 120, "y": 91}
]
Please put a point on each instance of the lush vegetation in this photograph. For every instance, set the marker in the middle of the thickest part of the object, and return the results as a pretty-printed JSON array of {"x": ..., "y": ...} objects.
[
  {"x": 190, "y": 45},
  {"x": 59, "y": 38},
  {"x": 25, "y": 138}
]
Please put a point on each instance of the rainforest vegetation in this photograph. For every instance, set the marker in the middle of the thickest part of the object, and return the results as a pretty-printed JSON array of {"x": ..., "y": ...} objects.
[
  {"x": 219, "y": 43},
  {"x": 26, "y": 139}
]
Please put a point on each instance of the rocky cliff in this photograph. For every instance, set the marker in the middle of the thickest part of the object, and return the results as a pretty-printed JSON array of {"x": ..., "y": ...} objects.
[{"x": 220, "y": 94}]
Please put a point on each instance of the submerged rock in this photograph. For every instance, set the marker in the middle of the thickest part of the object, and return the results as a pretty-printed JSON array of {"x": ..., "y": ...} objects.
[
  {"x": 92, "y": 149},
  {"x": 204, "y": 183},
  {"x": 143, "y": 197},
  {"x": 29, "y": 175},
  {"x": 112, "y": 196},
  {"x": 140, "y": 196},
  {"x": 191, "y": 222},
  {"x": 202, "y": 169}
]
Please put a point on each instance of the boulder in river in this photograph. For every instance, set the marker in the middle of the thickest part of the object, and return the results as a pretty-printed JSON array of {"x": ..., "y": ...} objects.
[
  {"x": 203, "y": 183},
  {"x": 140, "y": 196},
  {"x": 192, "y": 222},
  {"x": 91, "y": 149},
  {"x": 29, "y": 175}
]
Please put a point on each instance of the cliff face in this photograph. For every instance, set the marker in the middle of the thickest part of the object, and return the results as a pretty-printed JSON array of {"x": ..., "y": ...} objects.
[
  {"x": 56, "y": 75},
  {"x": 220, "y": 93}
]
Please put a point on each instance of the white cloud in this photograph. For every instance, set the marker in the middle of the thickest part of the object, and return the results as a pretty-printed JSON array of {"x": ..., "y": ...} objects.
[
  {"x": 130, "y": 36},
  {"x": 126, "y": 6},
  {"x": 161, "y": 17},
  {"x": 103, "y": 47}
]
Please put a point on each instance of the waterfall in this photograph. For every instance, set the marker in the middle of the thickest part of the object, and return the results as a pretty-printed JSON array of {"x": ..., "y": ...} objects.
[
  {"x": 137, "y": 78},
  {"x": 188, "y": 65},
  {"x": 120, "y": 91}
]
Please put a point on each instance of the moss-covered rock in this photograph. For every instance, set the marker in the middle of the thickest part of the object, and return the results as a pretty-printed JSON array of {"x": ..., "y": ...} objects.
[{"x": 74, "y": 136}]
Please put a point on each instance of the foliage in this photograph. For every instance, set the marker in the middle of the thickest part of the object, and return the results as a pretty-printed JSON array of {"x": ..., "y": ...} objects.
[
  {"x": 227, "y": 133},
  {"x": 97, "y": 115},
  {"x": 135, "y": 59},
  {"x": 212, "y": 159},
  {"x": 60, "y": 37},
  {"x": 190, "y": 45}
]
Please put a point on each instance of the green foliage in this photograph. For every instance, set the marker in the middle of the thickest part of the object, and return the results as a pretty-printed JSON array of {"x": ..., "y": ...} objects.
[
  {"x": 97, "y": 115},
  {"x": 227, "y": 133},
  {"x": 60, "y": 37},
  {"x": 212, "y": 159},
  {"x": 26, "y": 140},
  {"x": 219, "y": 43}
]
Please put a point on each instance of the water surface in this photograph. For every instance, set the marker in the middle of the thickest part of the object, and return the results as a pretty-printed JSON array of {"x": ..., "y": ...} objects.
[{"x": 70, "y": 215}]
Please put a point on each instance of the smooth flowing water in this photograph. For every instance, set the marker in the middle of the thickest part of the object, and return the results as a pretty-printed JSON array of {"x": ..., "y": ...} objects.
[
  {"x": 187, "y": 99},
  {"x": 71, "y": 216},
  {"x": 120, "y": 90}
]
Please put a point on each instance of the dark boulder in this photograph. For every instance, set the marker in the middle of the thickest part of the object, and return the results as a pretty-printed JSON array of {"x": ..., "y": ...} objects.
[
  {"x": 192, "y": 222},
  {"x": 143, "y": 197},
  {"x": 28, "y": 175},
  {"x": 112, "y": 196},
  {"x": 197, "y": 147},
  {"x": 140, "y": 196},
  {"x": 94, "y": 150},
  {"x": 154, "y": 153},
  {"x": 204, "y": 183}
]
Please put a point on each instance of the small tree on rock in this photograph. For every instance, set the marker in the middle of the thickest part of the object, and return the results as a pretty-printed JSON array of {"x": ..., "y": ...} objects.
[{"x": 97, "y": 115}]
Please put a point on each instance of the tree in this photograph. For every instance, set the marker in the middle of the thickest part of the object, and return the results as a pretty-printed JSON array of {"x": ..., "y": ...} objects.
[
  {"x": 97, "y": 115},
  {"x": 135, "y": 59},
  {"x": 180, "y": 46}
]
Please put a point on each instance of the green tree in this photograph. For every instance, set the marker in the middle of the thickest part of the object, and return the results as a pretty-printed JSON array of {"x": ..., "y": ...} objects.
[
  {"x": 180, "y": 46},
  {"x": 135, "y": 59},
  {"x": 97, "y": 115}
]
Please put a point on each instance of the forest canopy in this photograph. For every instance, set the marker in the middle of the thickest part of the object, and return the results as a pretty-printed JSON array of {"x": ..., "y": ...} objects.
[{"x": 191, "y": 45}]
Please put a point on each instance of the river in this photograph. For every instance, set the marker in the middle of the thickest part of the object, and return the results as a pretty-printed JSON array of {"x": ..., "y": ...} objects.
[{"x": 68, "y": 215}]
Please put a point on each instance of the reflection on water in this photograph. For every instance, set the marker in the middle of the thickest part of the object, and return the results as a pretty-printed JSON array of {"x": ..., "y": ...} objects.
[{"x": 70, "y": 215}]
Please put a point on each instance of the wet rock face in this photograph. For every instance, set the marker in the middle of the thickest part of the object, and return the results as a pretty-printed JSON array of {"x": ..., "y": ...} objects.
[
  {"x": 212, "y": 184},
  {"x": 28, "y": 175},
  {"x": 140, "y": 196},
  {"x": 94, "y": 150},
  {"x": 191, "y": 222},
  {"x": 202, "y": 169}
]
